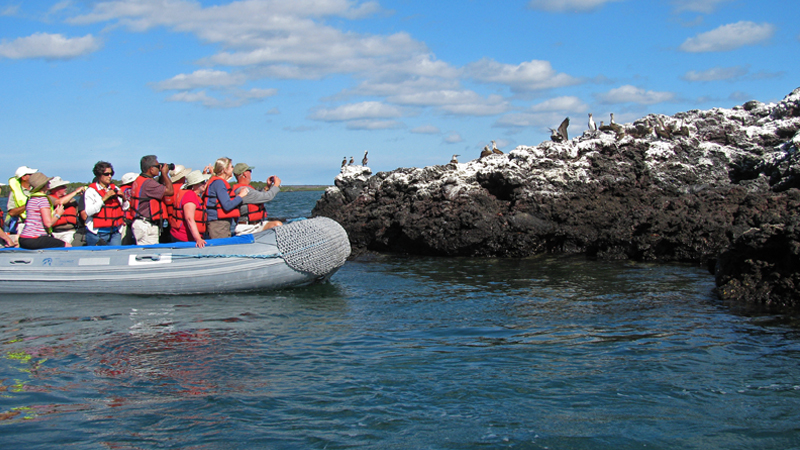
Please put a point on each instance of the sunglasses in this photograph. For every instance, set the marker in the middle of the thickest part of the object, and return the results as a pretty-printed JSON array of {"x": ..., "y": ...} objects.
[{"x": 108, "y": 174}]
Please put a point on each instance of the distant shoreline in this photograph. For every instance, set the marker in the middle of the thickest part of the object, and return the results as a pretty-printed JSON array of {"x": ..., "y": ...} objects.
[{"x": 4, "y": 190}]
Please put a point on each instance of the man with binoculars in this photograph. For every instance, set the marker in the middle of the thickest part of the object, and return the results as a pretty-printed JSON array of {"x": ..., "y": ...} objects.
[{"x": 146, "y": 199}]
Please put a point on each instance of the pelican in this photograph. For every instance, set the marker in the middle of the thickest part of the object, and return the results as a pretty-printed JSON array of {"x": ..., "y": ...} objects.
[
  {"x": 562, "y": 129},
  {"x": 496, "y": 150},
  {"x": 364, "y": 160}
]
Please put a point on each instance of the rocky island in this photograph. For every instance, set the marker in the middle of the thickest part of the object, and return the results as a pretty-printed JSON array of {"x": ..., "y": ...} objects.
[{"x": 716, "y": 187}]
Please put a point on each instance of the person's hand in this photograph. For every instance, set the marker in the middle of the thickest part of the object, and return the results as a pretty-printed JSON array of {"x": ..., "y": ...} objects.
[
  {"x": 200, "y": 243},
  {"x": 243, "y": 192},
  {"x": 273, "y": 181},
  {"x": 59, "y": 210}
]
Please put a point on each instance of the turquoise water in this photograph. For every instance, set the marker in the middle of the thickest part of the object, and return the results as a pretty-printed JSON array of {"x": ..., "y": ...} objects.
[{"x": 406, "y": 353}]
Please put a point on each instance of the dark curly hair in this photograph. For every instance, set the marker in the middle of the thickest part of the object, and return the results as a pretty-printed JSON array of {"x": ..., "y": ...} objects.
[{"x": 101, "y": 167}]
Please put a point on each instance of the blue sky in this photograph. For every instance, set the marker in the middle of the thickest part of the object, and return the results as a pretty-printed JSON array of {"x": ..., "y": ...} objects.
[{"x": 291, "y": 87}]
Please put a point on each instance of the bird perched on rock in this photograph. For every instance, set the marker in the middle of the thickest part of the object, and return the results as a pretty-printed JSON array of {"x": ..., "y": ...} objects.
[
  {"x": 454, "y": 159},
  {"x": 486, "y": 152},
  {"x": 364, "y": 160},
  {"x": 554, "y": 136},
  {"x": 612, "y": 119},
  {"x": 344, "y": 161},
  {"x": 662, "y": 130},
  {"x": 496, "y": 150},
  {"x": 562, "y": 129},
  {"x": 592, "y": 125},
  {"x": 351, "y": 161}
]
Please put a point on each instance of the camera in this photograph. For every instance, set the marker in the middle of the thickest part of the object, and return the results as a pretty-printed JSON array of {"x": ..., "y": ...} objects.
[{"x": 170, "y": 165}]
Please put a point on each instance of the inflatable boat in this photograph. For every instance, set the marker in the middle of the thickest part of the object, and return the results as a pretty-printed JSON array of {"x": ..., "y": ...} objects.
[{"x": 297, "y": 253}]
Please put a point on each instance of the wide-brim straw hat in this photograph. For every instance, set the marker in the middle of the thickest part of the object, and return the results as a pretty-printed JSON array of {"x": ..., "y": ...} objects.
[
  {"x": 38, "y": 181},
  {"x": 196, "y": 177},
  {"x": 178, "y": 173},
  {"x": 57, "y": 182}
]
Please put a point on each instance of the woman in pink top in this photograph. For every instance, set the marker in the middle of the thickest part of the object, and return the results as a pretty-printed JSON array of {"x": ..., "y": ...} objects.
[{"x": 40, "y": 217}]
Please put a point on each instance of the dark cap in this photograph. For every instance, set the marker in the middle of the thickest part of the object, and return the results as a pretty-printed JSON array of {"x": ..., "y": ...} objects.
[{"x": 241, "y": 168}]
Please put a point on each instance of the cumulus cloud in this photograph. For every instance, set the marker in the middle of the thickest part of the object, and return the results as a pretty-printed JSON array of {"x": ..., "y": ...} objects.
[
  {"x": 729, "y": 37},
  {"x": 200, "y": 79},
  {"x": 231, "y": 99},
  {"x": 527, "y": 76},
  {"x": 426, "y": 129},
  {"x": 716, "y": 74},
  {"x": 548, "y": 113},
  {"x": 698, "y": 6},
  {"x": 567, "y": 5},
  {"x": 49, "y": 46},
  {"x": 633, "y": 94},
  {"x": 566, "y": 104},
  {"x": 463, "y": 102},
  {"x": 368, "y": 124},
  {"x": 357, "y": 111},
  {"x": 453, "y": 138}
]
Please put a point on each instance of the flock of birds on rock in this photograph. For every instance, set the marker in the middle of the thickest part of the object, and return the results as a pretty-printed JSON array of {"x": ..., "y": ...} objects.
[
  {"x": 364, "y": 160},
  {"x": 640, "y": 129}
]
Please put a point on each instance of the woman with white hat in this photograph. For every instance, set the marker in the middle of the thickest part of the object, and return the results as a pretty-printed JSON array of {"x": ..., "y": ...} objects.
[
  {"x": 189, "y": 211},
  {"x": 40, "y": 217}
]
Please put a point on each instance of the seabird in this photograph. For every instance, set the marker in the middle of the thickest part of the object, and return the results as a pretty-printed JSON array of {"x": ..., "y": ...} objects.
[
  {"x": 592, "y": 125},
  {"x": 496, "y": 150},
  {"x": 612, "y": 119},
  {"x": 454, "y": 159},
  {"x": 364, "y": 160},
  {"x": 562, "y": 129},
  {"x": 485, "y": 152},
  {"x": 351, "y": 161},
  {"x": 344, "y": 161},
  {"x": 554, "y": 136}
]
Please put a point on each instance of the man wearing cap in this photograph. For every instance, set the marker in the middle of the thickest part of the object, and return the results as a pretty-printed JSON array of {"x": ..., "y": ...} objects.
[
  {"x": 18, "y": 198},
  {"x": 253, "y": 212},
  {"x": 146, "y": 200}
]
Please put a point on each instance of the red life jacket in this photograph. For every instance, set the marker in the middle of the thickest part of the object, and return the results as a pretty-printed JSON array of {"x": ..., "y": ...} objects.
[
  {"x": 171, "y": 205},
  {"x": 130, "y": 213},
  {"x": 255, "y": 213},
  {"x": 221, "y": 213},
  {"x": 68, "y": 217},
  {"x": 200, "y": 216},
  {"x": 111, "y": 213},
  {"x": 156, "y": 209}
]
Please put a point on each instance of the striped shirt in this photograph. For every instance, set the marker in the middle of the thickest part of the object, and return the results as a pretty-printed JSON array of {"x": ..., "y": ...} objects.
[{"x": 33, "y": 223}]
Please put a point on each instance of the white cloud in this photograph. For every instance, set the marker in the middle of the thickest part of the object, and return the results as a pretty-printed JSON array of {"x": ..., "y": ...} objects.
[
  {"x": 698, "y": 6},
  {"x": 716, "y": 74},
  {"x": 357, "y": 111},
  {"x": 527, "y": 76},
  {"x": 426, "y": 129},
  {"x": 10, "y": 11},
  {"x": 463, "y": 102},
  {"x": 563, "y": 104},
  {"x": 233, "y": 99},
  {"x": 729, "y": 37},
  {"x": 633, "y": 94},
  {"x": 200, "y": 79},
  {"x": 367, "y": 124},
  {"x": 49, "y": 46},
  {"x": 567, "y": 5},
  {"x": 453, "y": 138}
]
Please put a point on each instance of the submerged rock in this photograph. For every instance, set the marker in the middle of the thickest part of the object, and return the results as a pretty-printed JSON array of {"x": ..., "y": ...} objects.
[{"x": 689, "y": 187}]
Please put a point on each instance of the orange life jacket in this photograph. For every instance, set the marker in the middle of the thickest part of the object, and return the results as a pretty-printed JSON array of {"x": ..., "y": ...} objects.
[
  {"x": 221, "y": 213},
  {"x": 255, "y": 213},
  {"x": 111, "y": 213},
  {"x": 200, "y": 216},
  {"x": 156, "y": 209},
  {"x": 68, "y": 217},
  {"x": 130, "y": 213}
]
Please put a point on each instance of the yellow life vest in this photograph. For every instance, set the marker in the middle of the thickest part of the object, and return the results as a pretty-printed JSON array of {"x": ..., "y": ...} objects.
[{"x": 20, "y": 197}]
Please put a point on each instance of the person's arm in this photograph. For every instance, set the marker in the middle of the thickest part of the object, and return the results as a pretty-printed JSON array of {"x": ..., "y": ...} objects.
[
  {"x": 67, "y": 198},
  {"x": 48, "y": 220},
  {"x": 188, "y": 212},
  {"x": 256, "y": 197},
  {"x": 9, "y": 242},
  {"x": 93, "y": 202},
  {"x": 166, "y": 180},
  {"x": 225, "y": 201}
]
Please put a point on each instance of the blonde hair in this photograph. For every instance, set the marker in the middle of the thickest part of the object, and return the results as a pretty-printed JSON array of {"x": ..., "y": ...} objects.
[{"x": 222, "y": 164}]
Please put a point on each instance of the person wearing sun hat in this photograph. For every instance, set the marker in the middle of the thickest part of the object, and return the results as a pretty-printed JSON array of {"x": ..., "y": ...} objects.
[
  {"x": 125, "y": 191},
  {"x": 177, "y": 176},
  {"x": 64, "y": 228},
  {"x": 189, "y": 211},
  {"x": 20, "y": 192},
  {"x": 40, "y": 216}
]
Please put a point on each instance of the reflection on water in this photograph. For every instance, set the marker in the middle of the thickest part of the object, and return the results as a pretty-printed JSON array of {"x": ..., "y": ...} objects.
[{"x": 406, "y": 352}]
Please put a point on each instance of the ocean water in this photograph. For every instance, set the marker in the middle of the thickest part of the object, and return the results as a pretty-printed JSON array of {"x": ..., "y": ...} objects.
[{"x": 401, "y": 352}]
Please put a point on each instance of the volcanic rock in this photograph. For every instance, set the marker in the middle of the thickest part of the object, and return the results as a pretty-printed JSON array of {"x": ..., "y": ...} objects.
[{"x": 720, "y": 190}]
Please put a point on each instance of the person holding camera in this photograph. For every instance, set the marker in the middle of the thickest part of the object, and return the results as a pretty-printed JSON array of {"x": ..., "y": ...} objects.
[
  {"x": 105, "y": 208},
  {"x": 222, "y": 205},
  {"x": 146, "y": 199},
  {"x": 253, "y": 212}
]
